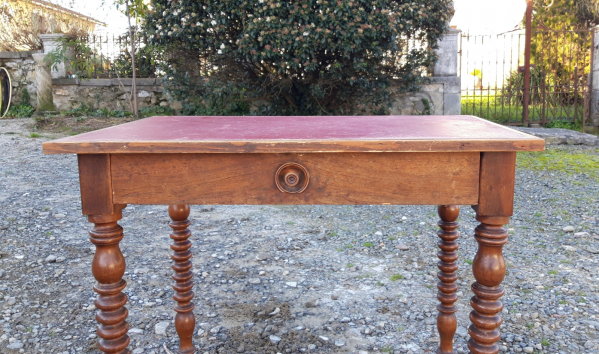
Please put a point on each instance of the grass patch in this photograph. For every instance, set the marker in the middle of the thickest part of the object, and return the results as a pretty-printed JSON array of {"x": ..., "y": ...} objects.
[
  {"x": 368, "y": 244},
  {"x": 561, "y": 161},
  {"x": 500, "y": 109},
  {"x": 545, "y": 342},
  {"x": 469, "y": 261},
  {"x": 35, "y": 135},
  {"x": 396, "y": 277},
  {"x": 552, "y": 272}
]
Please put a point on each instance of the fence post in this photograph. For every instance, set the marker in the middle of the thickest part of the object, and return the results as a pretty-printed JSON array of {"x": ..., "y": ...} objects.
[
  {"x": 595, "y": 79},
  {"x": 50, "y": 42},
  {"x": 446, "y": 72},
  {"x": 43, "y": 80}
]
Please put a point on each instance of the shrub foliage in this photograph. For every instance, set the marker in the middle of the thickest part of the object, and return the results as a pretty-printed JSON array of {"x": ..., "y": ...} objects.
[{"x": 300, "y": 56}]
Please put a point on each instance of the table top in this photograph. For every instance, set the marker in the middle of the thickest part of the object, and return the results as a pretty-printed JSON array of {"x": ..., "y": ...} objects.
[{"x": 254, "y": 134}]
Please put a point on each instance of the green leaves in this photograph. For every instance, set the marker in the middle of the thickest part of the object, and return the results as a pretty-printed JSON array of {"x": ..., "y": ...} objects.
[{"x": 308, "y": 56}]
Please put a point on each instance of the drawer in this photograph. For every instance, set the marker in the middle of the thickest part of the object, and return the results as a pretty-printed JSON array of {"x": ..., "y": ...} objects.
[{"x": 314, "y": 178}]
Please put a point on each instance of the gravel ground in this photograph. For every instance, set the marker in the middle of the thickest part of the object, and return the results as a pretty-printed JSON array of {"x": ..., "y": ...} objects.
[{"x": 314, "y": 279}]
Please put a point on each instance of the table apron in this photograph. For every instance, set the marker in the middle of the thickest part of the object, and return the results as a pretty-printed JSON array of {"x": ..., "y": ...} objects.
[{"x": 334, "y": 178}]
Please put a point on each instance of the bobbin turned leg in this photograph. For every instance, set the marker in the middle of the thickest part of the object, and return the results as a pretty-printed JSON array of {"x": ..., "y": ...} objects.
[
  {"x": 495, "y": 206},
  {"x": 446, "y": 320},
  {"x": 489, "y": 270},
  {"x": 108, "y": 268},
  {"x": 184, "y": 320}
]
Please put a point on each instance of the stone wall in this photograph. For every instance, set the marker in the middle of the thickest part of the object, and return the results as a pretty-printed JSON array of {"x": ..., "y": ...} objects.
[
  {"x": 21, "y": 68},
  {"x": 415, "y": 103},
  {"x": 112, "y": 94}
]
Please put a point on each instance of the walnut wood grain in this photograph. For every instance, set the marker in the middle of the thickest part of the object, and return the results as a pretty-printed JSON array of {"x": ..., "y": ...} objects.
[
  {"x": 96, "y": 185},
  {"x": 108, "y": 267},
  {"x": 446, "y": 320},
  {"x": 489, "y": 270},
  {"x": 497, "y": 180},
  {"x": 184, "y": 319},
  {"x": 393, "y": 178},
  {"x": 299, "y": 135}
]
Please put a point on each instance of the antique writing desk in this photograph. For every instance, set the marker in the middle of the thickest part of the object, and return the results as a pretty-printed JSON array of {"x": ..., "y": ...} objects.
[{"x": 178, "y": 161}]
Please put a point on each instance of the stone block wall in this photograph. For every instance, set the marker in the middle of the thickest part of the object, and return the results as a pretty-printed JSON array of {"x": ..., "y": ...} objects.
[
  {"x": 112, "y": 94},
  {"x": 415, "y": 103},
  {"x": 21, "y": 68}
]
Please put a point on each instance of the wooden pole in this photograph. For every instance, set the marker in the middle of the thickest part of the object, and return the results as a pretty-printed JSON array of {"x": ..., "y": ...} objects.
[{"x": 528, "y": 39}]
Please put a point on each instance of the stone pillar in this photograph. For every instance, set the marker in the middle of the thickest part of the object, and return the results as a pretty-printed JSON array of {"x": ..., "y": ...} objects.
[
  {"x": 51, "y": 42},
  {"x": 594, "y": 77},
  {"x": 43, "y": 79},
  {"x": 446, "y": 72}
]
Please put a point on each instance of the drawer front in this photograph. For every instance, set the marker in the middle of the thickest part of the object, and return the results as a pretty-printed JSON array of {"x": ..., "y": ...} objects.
[{"x": 329, "y": 178}]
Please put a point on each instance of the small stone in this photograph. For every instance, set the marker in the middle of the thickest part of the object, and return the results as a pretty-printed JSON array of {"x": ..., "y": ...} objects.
[
  {"x": 60, "y": 259},
  {"x": 274, "y": 339},
  {"x": 323, "y": 338},
  {"x": 215, "y": 330},
  {"x": 201, "y": 332},
  {"x": 275, "y": 312},
  {"x": 15, "y": 345},
  {"x": 402, "y": 247},
  {"x": 261, "y": 257},
  {"x": 50, "y": 259},
  {"x": 311, "y": 304},
  {"x": 160, "y": 328},
  {"x": 312, "y": 346},
  {"x": 568, "y": 228},
  {"x": 138, "y": 351},
  {"x": 582, "y": 234},
  {"x": 334, "y": 297},
  {"x": 136, "y": 331},
  {"x": 529, "y": 349},
  {"x": 254, "y": 281},
  {"x": 339, "y": 343},
  {"x": 241, "y": 349},
  {"x": 292, "y": 284}
]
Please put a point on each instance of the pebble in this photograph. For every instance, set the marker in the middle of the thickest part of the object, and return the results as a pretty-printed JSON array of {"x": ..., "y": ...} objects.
[
  {"x": 274, "y": 339},
  {"x": 15, "y": 345},
  {"x": 339, "y": 343},
  {"x": 261, "y": 257},
  {"x": 568, "y": 228},
  {"x": 254, "y": 281},
  {"x": 160, "y": 328},
  {"x": 402, "y": 247},
  {"x": 292, "y": 284},
  {"x": 50, "y": 259}
]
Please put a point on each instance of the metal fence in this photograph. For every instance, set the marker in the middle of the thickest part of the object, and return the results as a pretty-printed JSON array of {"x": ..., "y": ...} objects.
[
  {"x": 109, "y": 56},
  {"x": 492, "y": 71}
]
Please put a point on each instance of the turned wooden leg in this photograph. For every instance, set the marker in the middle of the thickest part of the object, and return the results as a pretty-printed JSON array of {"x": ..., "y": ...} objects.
[
  {"x": 446, "y": 320},
  {"x": 108, "y": 268},
  {"x": 184, "y": 320},
  {"x": 489, "y": 270}
]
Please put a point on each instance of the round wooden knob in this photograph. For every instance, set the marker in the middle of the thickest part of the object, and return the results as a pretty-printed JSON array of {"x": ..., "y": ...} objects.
[{"x": 292, "y": 178}]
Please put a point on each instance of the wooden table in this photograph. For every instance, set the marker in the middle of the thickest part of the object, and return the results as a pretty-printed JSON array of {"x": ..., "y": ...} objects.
[{"x": 178, "y": 161}]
